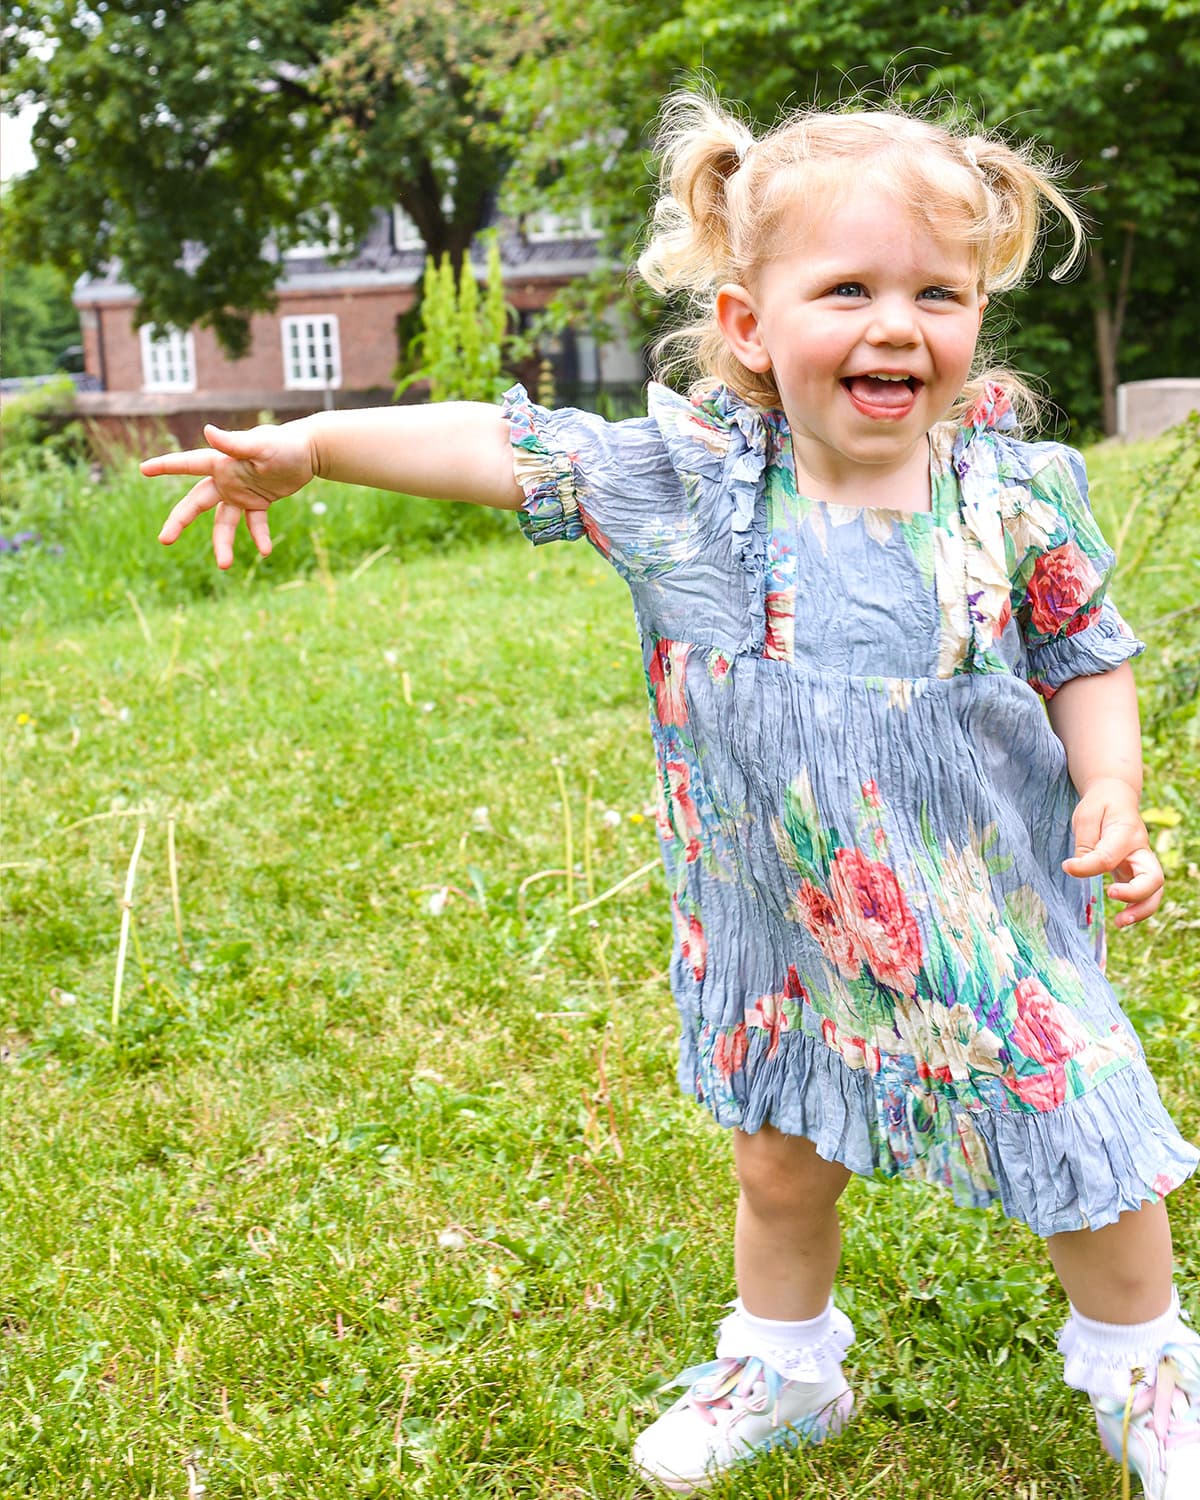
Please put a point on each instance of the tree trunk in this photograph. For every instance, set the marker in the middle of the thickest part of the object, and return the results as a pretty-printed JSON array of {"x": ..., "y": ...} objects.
[
  {"x": 1109, "y": 319},
  {"x": 1106, "y": 344}
]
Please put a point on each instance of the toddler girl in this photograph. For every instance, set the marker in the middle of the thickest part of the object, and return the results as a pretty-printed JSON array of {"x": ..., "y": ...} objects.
[{"x": 856, "y": 587}]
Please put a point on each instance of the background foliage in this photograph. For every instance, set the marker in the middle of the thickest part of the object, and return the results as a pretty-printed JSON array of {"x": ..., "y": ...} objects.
[{"x": 186, "y": 139}]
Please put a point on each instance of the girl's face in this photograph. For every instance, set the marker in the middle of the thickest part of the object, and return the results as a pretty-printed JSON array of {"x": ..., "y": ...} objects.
[{"x": 868, "y": 321}]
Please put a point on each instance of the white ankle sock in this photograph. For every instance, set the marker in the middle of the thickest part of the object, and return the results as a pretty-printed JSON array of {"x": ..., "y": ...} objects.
[
  {"x": 811, "y": 1350},
  {"x": 1099, "y": 1358}
]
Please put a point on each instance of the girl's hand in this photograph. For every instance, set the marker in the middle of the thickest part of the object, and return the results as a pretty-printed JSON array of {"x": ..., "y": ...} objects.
[
  {"x": 243, "y": 473},
  {"x": 1110, "y": 835}
]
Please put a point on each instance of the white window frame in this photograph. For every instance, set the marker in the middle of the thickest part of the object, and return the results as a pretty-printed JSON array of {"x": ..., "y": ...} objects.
[
  {"x": 168, "y": 362},
  {"x": 325, "y": 248},
  {"x": 405, "y": 234},
  {"x": 546, "y": 227},
  {"x": 297, "y": 331}
]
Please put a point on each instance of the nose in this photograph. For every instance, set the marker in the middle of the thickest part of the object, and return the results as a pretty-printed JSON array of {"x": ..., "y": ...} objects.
[{"x": 893, "y": 322}]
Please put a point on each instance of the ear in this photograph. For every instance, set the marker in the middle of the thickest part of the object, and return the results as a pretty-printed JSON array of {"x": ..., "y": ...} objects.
[
  {"x": 983, "y": 302},
  {"x": 737, "y": 318}
]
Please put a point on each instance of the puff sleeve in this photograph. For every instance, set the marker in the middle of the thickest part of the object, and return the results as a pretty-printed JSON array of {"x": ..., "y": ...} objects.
[
  {"x": 626, "y": 486},
  {"x": 1070, "y": 627}
]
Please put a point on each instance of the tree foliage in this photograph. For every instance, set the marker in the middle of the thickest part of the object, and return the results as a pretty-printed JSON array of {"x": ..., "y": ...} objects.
[
  {"x": 1113, "y": 88},
  {"x": 194, "y": 141}
]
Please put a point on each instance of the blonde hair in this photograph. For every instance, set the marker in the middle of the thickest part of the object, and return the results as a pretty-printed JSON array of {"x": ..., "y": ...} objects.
[{"x": 726, "y": 195}]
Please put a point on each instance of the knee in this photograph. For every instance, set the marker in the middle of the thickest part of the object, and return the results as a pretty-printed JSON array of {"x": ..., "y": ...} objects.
[{"x": 782, "y": 1174}]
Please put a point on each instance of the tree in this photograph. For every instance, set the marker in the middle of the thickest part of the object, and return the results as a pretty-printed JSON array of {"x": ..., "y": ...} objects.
[
  {"x": 194, "y": 141},
  {"x": 38, "y": 324}
]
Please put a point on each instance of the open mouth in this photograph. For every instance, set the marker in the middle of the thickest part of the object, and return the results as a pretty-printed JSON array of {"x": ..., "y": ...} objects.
[{"x": 881, "y": 395}]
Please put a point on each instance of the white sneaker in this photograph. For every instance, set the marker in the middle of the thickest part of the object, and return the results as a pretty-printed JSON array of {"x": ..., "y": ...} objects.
[
  {"x": 734, "y": 1411},
  {"x": 1156, "y": 1434}
]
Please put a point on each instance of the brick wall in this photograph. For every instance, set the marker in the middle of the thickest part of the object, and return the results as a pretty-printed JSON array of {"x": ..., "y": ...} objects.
[{"x": 366, "y": 330}]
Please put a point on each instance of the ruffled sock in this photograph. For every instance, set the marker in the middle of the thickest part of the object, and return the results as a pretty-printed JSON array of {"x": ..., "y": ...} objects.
[
  {"x": 1100, "y": 1358},
  {"x": 811, "y": 1351}
]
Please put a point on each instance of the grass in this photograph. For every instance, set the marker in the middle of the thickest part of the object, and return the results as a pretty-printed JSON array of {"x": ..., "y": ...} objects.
[{"x": 381, "y": 1186}]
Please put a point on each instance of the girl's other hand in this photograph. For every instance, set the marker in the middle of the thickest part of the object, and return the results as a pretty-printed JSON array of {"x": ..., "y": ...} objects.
[
  {"x": 241, "y": 475},
  {"x": 1110, "y": 836}
]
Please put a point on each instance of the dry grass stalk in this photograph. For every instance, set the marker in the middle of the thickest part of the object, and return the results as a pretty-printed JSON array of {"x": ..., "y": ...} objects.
[
  {"x": 174, "y": 872},
  {"x": 126, "y": 919},
  {"x": 645, "y": 869}
]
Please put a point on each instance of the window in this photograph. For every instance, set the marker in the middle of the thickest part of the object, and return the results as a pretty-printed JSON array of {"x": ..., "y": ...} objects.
[
  {"x": 405, "y": 234},
  {"x": 313, "y": 249},
  {"x": 312, "y": 358},
  {"x": 169, "y": 362},
  {"x": 578, "y": 224}
]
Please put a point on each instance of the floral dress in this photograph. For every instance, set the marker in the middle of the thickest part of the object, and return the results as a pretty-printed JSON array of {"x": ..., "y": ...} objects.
[{"x": 864, "y": 810}]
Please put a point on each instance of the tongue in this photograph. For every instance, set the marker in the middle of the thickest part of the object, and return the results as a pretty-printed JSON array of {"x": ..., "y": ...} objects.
[{"x": 880, "y": 392}]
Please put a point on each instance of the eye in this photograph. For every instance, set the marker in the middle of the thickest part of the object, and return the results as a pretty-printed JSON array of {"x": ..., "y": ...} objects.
[
  {"x": 940, "y": 293},
  {"x": 847, "y": 289}
]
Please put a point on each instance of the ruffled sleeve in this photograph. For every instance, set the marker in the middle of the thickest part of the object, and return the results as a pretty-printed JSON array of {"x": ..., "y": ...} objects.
[
  {"x": 1064, "y": 567},
  {"x": 632, "y": 488}
]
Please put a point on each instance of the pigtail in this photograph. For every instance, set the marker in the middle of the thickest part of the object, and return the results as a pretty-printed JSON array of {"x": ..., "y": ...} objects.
[
  {"x": 1018, "y": 186},
  {"x": 701, "y": 146}
]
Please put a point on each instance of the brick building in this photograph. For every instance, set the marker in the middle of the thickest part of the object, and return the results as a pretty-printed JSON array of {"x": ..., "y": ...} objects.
[{"x": 332, "y": 339}]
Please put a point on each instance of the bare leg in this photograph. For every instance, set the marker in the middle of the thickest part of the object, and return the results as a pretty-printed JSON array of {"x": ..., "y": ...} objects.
[
  {"x": 787, "y": 1242},
  {"x": 1121, "y": 1273}
]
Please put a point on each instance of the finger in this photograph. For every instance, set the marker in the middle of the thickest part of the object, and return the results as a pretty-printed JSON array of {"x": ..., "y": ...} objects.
[
  {"x": 1105, "y": 856},
  {"x": 194, "y": 461},
  {"x": 256, "y": 524},
  {"x": 235, "y": 444},
  {"x": 1094, "y": 855},
  {"x": 1140, "y": 912},
  {"x": 1139, "y": 889},
  {"x": 1139, "y": 876},
  {"x": 199, "y": 498},
  {"x": 225, "y": 525}
]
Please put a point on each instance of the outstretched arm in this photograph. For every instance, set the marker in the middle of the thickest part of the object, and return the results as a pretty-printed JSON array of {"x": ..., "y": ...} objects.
[
  {"x": 1096, "y": 717},
  {"x": 455, "y": 450}
]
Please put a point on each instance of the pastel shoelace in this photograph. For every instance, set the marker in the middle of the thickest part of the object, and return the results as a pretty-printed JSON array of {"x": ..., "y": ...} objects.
[
  {"x": 1173, "y": 1403},
  {"x": 714, "y": 1385}
]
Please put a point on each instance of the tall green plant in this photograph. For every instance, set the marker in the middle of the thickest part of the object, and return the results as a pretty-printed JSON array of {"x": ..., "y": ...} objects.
[{"x": 464, "y": 338}]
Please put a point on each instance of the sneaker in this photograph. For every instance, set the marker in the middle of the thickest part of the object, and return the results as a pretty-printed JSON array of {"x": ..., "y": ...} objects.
[
  {"x": 734, "y": 1411},
  {"x": 1156, "y": 1433}
]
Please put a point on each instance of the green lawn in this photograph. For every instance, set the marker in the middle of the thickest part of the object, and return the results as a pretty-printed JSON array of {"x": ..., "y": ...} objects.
[{"x": 381, "y": 1186}]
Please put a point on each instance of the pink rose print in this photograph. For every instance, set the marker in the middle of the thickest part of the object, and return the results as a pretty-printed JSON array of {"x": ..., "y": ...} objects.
[
  {"x": 870, "y": 791},
  {"x": 1081, "y": 622},
  {"x": 693, "y": 944},
  {"x": 780, "y": 642},
  {"x": 770, "y": 1016},
  {"x": 793, "y": 989},
  {"x": 991, "y": 406},
  {"x": 857, "y": 1051},
  {"x": 696, "y": 949},
  {"x": 819, "y": 916},
  {"x": 1162, "y": 1185},
  {"x": 667, "y": 666},
  {"x": 1044, "y": 1091},
  {"x": 1063, "y": 581},
  {"x": 594, "y": 534},
  {"x": 686, "y": 819},
  {"x": 1045, "y": 1030},
  {"x": 730, "y": 1051},
  {"x": 873, "y": 911}
]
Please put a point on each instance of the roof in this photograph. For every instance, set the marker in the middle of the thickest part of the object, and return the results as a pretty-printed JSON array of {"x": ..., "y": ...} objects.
[{"x": 376, "y": 263}]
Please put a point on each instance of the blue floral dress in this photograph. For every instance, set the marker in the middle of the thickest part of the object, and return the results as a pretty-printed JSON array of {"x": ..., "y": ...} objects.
[{"x": 864, "y": 810}]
